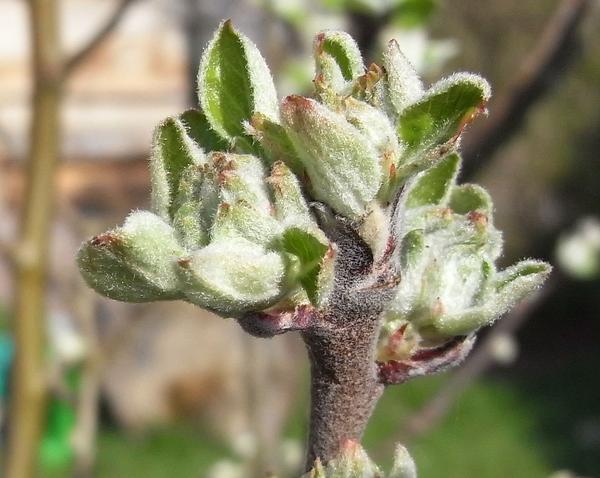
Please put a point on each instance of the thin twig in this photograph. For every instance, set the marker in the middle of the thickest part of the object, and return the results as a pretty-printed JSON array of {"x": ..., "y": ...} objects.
[
  {"x": 479, "y": 362},
  {"x": 7, "y": 251},
  {"x": 83, "y": 53},
  {"x": 29, "y": 379},
  {"x": 540, "y": 69}
]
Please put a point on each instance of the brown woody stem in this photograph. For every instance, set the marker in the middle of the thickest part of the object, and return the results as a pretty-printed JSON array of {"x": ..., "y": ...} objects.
[{"x": 344, "y": 387}]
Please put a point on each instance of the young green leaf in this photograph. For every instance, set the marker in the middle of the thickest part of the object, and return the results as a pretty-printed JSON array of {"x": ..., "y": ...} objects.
[
  {"x": 467, "y": 198},
  {"x": 240, "y": 177},
  {"x": 234, "y": 83},
  {"x": 275, "y": 142},
  {"x": 309, "y": 249},
  {"x": 242, "y": 219},
  {"x": 443, "y": 111},
  {"x": 519, "y": 280},
  {"x": 404, "y": 466},
  {"x": 172, "y": 152},
  {"x": 404, "y": 85},
  {"x": 343, "y": 167},
  {"x": 352, "y": 462},
  {"x": 232, "y": 276},
  {"x": 288, "y": 197},
  {"x": 133, "y": 263},
  {"x": 432, "y": 187},
  {"x": 194, "y": 207},
  {"x": 338, "y": 60},
  {"x": 199, "y": 129},
  {"x": 411, "y": 248}
]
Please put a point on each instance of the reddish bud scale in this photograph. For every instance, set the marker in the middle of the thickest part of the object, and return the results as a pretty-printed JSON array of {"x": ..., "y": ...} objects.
[{"x": 106, "y": 239}]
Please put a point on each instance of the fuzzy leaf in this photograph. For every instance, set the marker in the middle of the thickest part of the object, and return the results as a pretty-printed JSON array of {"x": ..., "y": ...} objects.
[
  {"x": 133, "y": 263},
  {"x": 275, "y": 142},
  {"x": 374, "y": 125},
  {"x": 242, "y": 219},
  {"x": 405, "y": 86},
  {"x": 200, "y": 131},
  {"x": 380, "y": 132},
  {"x": 309, "y": 249},
  {"x": 404, "y": 466},
  {"x": 519, "y": 280},
  {"x": 511, "y": 286},
  {"x": 442, "y": 112},
  {"x": 173, "y": 151},
  {"x": 240, "y": 177},
  {"x": 234, "y": 83},
  {"x": 194, "y": 208},
  {"x": 432, "y": 187},
  {"x": 343, "y": 168},
  {"x": 287, "y": 194},
  {"x": 188, "y": 227},
  {"x": 467, "y": 198},
  {"x": 411, "y": 248},
  {"x": 338, "y": 61},
  {"x": 232, "y": 276}
]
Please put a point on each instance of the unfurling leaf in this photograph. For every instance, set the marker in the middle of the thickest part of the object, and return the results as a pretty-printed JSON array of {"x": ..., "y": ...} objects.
[
  {"x": 310, "y": 250},
  {"x": 467, "y": 198},
  {"x": 343, "y": 168},
  {"x": 339, "y": 62},
  {"x": 432, "y": 187},
  {"x": 404, "y": 465},
  {"x": 275, "y": 141},
  {"x": 352, "y": 462},
  {"x": 234, "y": 83},
  {"x": 199, "y": 130},
  {"x": 172, "y": 152},
  {"x": 405, "y": 86},
  {"x": 232, "y": 276},
  {"x": 444, "y": 109},
  {"x": 135, "y": 262}
]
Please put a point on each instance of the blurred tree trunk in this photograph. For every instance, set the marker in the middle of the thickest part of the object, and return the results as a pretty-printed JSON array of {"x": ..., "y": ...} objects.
[
  {"x": 28, "y": 392},
  {"x": 50, "y": 69}
]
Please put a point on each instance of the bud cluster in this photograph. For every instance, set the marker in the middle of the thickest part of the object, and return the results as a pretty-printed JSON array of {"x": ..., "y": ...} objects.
[
  {"x": 321, "y": 214},
  {"x": 231, "y": 228}
]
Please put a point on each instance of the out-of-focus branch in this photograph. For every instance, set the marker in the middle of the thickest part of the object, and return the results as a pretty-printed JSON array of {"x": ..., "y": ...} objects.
[
  {"x": 7, "y": 250},
  {"x": 366, "y": 28},
  {"x": 83, "y": 53},
  {"x": 50, "y": 70},
  {"x": 475, "y": 366},
  {"x": 31, "y": 255},
  {"x": 540, "y": 69}
]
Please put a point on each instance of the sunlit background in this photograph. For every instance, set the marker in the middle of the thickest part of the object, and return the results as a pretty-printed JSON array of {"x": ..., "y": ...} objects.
[{"x": 168, "y": 390}]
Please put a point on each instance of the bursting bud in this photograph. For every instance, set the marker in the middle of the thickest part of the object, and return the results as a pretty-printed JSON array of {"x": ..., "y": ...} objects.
[
  {"x": 135, "y": 262},
  {"x": 447, "y": 248},
  {"x": 231, "y": 276},
  {"x": 353, "y": 462},
  {"x": 342, "y": 165},
  {"x": 318, "y": 213}
]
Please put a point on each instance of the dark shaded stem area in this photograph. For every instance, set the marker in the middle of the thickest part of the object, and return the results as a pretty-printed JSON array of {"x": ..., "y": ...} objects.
[{"x": 344, "y": 388}]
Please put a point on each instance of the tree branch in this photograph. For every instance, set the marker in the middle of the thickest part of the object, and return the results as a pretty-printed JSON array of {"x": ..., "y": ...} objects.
[
  {"x": 80, "y": 56},
  {"x": 29, "y": 380},
  {"x": 540, "y": 70}
]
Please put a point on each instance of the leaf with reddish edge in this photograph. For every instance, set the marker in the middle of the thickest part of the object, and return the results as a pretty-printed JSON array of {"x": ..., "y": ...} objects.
[{"x": 426, "y": 361}]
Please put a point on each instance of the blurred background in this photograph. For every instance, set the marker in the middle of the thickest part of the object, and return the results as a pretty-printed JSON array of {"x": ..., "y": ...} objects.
[{"x": 120, "y": 390}]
